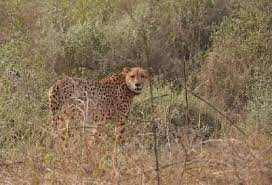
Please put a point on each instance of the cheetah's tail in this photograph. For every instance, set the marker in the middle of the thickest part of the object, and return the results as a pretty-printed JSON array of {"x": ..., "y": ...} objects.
[{"x": 52, "y": 104}]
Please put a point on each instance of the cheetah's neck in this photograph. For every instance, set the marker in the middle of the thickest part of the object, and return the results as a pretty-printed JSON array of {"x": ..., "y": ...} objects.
[{"x": 119, "y": 80}]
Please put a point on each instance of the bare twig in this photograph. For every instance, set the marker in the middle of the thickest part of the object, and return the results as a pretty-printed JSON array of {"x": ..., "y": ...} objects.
[
  {"x": 217, "y": 110},
  {"x": 185, "y": 93},
  {"x": 12, "y": 163},
  {"x": 186, "y": 162},
  {"x": 153, "y": 121},
  {"x": 156, "y": 97},
  {"x": 162, "y": 167},
  {"x": 143, "y": 34},
  {"x": 186, "y": 159}
]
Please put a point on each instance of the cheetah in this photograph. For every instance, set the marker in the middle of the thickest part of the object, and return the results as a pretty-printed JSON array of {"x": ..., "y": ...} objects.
[{"x": 110, "y": 99}]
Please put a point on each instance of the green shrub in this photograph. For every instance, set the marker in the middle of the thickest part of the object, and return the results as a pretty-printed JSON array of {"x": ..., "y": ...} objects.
[
  {"x": 260, "y": 104},
  {"x": 85, "y": 45},
  {"x": 118, "y": 34},
  {"x": 239, "y": 45},
  {"x": 24, "y": 83}
]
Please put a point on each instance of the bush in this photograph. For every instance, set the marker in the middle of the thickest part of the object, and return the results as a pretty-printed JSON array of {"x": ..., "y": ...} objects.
[
  {"x": 260, "y": 108},
  {"x": 105, "y": 44},
  {"x": 238, "y": 47}
]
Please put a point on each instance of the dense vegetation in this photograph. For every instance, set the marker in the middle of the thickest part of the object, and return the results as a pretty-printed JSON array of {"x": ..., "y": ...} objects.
[{"x": 218, "y": 49}]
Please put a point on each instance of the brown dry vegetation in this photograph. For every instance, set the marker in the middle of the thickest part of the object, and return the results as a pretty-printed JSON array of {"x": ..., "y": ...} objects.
[{"x": 220, "y": 133}]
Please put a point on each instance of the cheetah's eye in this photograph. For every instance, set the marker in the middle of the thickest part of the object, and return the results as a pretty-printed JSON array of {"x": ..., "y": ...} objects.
[
  {"x": 142, "y": 76},
  {"x": 132, "y": 76}
]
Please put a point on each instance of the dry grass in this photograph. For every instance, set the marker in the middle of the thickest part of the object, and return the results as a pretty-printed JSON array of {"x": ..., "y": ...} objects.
[
  {"x": 186, "y": 155},
  {"x": 229, "y": 160}
]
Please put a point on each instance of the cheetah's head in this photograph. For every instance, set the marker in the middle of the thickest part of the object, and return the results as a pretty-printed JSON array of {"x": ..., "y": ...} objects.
[{"x": 136, "y": 78}]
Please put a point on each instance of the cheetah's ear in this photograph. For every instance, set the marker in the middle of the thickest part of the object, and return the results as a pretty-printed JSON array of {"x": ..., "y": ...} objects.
[{"x": 126, "y": 70}]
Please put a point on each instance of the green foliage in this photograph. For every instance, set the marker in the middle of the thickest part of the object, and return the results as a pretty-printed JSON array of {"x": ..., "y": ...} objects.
[
  {"x": 260, "y": 104},
  {"x": 85, "y": 45},
  {"x": 95, "y": 41},
  {"x": 23, "y": 83},
  {"x": 241, "y": 44}
]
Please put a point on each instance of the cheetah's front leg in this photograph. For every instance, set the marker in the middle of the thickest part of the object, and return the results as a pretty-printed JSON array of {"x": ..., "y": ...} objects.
[
  {"x": 119, "y": 131},
  {"x": 121, "y": 118}
]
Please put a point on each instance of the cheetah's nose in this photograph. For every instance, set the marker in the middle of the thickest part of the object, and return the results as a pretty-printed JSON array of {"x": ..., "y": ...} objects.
[{"x": 137, "y": 84}]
